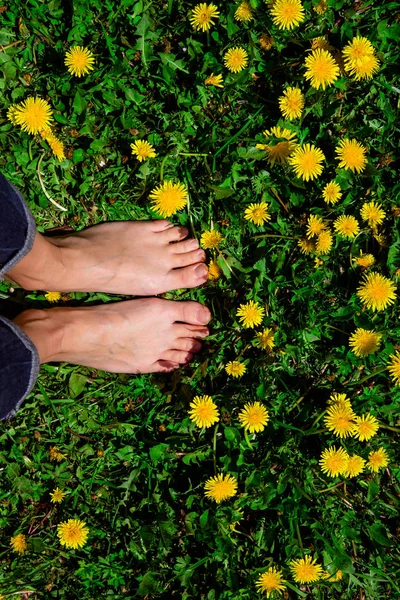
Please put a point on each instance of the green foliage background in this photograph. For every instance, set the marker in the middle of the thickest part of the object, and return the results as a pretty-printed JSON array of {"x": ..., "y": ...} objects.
[{"x": 136, "y": 465}]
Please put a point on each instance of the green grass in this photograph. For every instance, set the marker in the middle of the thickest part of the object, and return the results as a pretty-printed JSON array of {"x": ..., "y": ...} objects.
[{"x": 135, "y": 465}]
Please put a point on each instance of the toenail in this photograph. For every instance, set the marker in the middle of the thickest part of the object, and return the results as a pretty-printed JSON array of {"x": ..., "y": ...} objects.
[
  {"x": 193, "y": 244},
  {"x": 201, "y": 272},
  {"x": 203, "y": 314}
]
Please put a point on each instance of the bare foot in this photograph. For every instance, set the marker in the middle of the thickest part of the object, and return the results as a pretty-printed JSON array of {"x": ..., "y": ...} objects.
[
  {"x": 138, "y": 336},
  {"x": 139, "y": 258}
]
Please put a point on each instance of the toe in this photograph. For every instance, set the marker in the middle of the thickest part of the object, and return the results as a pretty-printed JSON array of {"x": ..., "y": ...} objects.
[
  {"x": 173, "y": 234},
  {"x": 192, "y": 313},
  {"x": 165, "y": 366},
  {"x": 188, "y": 345},
  {"x": 188, "y": 258},
  {"x": 161, "y": 225},
  {"x": 181, "y": 330},
  {"x": 185, "y": 246},
  {"x": 177, "y": 356},
  {"x": 188, "y": 277}
]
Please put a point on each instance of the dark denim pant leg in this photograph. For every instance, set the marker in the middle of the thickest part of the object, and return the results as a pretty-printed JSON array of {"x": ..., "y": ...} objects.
[{"x": 19, "y": 359}]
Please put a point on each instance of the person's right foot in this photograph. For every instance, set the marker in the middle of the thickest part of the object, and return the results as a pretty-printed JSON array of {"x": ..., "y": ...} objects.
[{"x": 137, "y": 336}]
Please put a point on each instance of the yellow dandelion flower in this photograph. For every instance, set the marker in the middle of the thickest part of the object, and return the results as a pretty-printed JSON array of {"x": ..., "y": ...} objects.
[
  {"x": 55, "y": 454},
  {"x": 53, "y": 296},
  {"x": 250, "y": 314},
  {"x": 346, "y": 226},
  {"x": 142, "y": 150},
  {"x": 321, "y": 69},
  {"x": 73, "y": 533},
  {"x": 56, "y": 146},
  {"x": 315, "y": 226},
  {"x": 332, "y": 192},
  {"x": 203, "y": 16},
  {"x": 356, "y": 51},
  {"x": 204, "y": 411},
  {"x": 168, "y": 198},
  {"x": 379, "y": 459},
  {"x": 211, "y": 239},
  {"x": 257, "y": 213},
  {"x": 57, "y": 495},
  {"x": 235, "y": 368},
  {"x": 79, "y": 61},
  {"x": 271, "y": 581},
  {"x": 377, "y": 292},
  {"x": 18, "y": 543},
  {"x": 321, "y": 43},
  {"x": 221, "y": 487},
  {"x": 236, "y": 59},
  {"x": 340, "y": 419},
  {"x": 365, "y": 69},
  {"x": 254, "y": 417},
  {"x": 215, "y": 80},
  {"x": 244, "y": 12},
  {"x": 281, "y": 144},
  {"x": 266, "y": 41},
  {"x": 321, "y": 7},
  {"x": 351, "y": 155},
  {"x": 364, "y": 260},
  {"x": 214, "y": 271},
  {"x": 334, "y": 576},
  {"x": 333, "y": 462},
  {"x": 11, "y": 113},
  {"x": 306, "y": 161},
  {"x": 394, "y": 367},
  {"x": 354, "y": 466},
  {"x": 318, "y": 262},
  {"x": 265, "y": 339},
  {"x": 373, "y": 213},
  {"x": 305, "y": 570},
  {"x": 366, "y": 427},
  {"x": 33, "y": 115},
  {"x": 324, "y": 242},
  {"x": 342, "y": 400},
  {"x": 306, "y": 246},
  {"x": 364, "y": 342},
  {"x": 291, "y": 104},
  {"x": 287, "y": 14}
]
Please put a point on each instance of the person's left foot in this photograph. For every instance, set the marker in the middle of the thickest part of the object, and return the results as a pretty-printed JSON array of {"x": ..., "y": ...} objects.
[{"x": 139, "y": 258}]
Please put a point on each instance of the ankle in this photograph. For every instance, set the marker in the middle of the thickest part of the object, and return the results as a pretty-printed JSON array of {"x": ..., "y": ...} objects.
[
  {"x": 41, "y": 268},
  {"x": 46, "y": 329}
]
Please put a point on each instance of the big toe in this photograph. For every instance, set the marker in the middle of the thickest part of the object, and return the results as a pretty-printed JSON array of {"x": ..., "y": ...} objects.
[
  {"x": 188, "y": 277},
  {"x": 193, "y": 313}
]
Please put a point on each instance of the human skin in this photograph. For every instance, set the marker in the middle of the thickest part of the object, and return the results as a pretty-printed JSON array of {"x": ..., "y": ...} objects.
[
  {"x": 146, "y": 335},
  {"x": 139, "y": 258}
]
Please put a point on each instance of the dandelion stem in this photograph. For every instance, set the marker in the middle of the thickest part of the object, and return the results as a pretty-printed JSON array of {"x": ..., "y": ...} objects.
[
  {"x": 215, "y": 449},
  {"x": 164, "y": 160},
  {"x": 332, "y": 487},
  {"x": 191, "y": 154},
  {"x": 378, "y": 372},
  {"x": 299, "y": 538},
  {"x": 337, "y": 329},
  {"x": 397, "y": 429},
  {"x": 44, "y": 189},
  {"x": 246, "y": 437}
]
